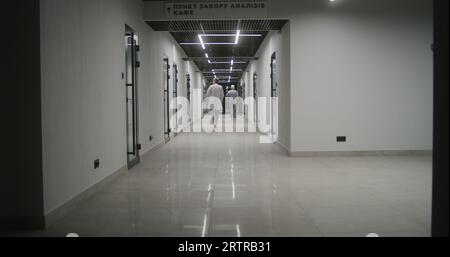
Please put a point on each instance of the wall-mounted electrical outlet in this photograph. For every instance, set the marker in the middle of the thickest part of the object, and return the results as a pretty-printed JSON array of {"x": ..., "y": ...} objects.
[
  {"x": 150, "y": 138},
  {"x": 341, "y": 139},
  {"x": 97, "y": 164}
]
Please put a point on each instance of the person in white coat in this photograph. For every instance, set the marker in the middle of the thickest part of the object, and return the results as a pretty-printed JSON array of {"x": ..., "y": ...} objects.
[
  {"x": 232, "y": 95},
  {"x": 216, "y": 90}
]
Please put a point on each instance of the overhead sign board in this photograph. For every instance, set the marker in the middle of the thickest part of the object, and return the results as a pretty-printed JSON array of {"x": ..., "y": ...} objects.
[{"x": 216, "y": 10}]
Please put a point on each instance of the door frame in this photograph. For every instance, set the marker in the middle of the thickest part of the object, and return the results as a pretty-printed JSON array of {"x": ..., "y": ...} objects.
[
  {"x": 131, "y": 162},
  {"x": 189, "y": 95},
  {"x": 273, "y": 93},
  {"x": 255, "y": 96},
  {"x": 175, "y": 81},
  {"x": 166, "y": 99}
]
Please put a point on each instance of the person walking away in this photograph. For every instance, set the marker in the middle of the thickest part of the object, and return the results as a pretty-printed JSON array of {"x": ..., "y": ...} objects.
[
  {"x": 232, "y": 94},
  {"x": 216, "y": 90}
]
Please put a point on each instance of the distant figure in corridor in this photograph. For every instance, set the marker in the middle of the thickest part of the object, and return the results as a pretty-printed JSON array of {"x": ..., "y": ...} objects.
[
  {"x": 232, "y": 94},
  {"x": 216, "y": 90}
]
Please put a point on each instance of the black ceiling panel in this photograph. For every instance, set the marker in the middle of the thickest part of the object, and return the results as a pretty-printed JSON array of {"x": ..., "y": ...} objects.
[
  {"x": 247, "y": 47},
  {"x": 217, "y": 25},
  {"x": 219, "y": 38}
]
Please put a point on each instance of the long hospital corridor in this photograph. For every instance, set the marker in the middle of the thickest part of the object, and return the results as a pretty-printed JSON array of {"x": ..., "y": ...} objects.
[{"x": 230, "y": 118}]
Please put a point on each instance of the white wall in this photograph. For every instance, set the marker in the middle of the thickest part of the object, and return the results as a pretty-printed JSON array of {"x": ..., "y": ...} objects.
[
  {"x": 83, "y": 94},
  {"x": 361, "y": 69},
  {"x": 275, "y": 42}
]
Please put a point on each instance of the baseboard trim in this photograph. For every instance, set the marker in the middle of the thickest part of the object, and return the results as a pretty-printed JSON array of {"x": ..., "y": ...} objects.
[
  {"x": 72, "y": 204},
  {"x": 361, "y": 153},
  {"x": 283, "y": 148},
  {"x": 154, "y": 148}
]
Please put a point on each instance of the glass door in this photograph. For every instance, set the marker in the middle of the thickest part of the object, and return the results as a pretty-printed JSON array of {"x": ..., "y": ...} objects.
[
  {"x": 131, "y": 64},
  {"x": 188, "y": 87},
  {"x": 175, "y": 102},
  {"x": 189, "y": 95},
  {"x": 274, "y": 99},
  {"x": 242, "y": 108},
  {"x": 255, "y": 96},
  {"x": 166, "y": 76}
]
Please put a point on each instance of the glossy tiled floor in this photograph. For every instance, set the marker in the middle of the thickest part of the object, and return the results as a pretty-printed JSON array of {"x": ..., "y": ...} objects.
[{"x": 230, "y": 185}]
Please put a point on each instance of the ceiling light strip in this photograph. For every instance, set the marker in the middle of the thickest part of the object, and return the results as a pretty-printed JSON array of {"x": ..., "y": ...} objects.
[
  {"x": 205, "y": 44},
  {"x": 231, "y": 35},
  {"x": 201, "y": 42},
  {"x": 228, "y": 62},
  {"x": 238, "y": 34}
]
